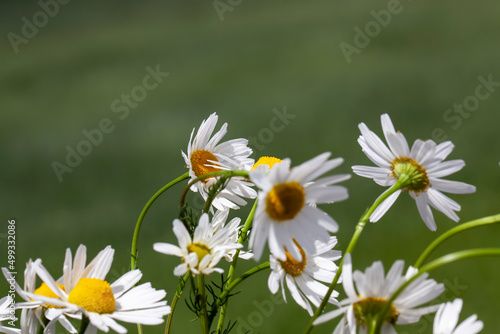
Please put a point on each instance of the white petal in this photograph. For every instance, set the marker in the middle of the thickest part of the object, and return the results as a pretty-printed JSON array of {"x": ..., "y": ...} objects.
[{"x": 384, "y": 206}]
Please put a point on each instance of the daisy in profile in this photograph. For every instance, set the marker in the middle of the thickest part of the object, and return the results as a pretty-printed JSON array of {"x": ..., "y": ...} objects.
[
  {"x": 205, "y": 154},
  {"x": 103, "y": 303},
  {"x": 446, "y": 320},
  {"x": 304, "y": 278},
  {"x": 201, "y": 253},
  {"x": 233, "y": 230},
  {"x": 286, "y": 208},
  {"x": 373, "y": 290},
  {"x": 423, "y": 165},
  {"x": 5, "y": 315}
]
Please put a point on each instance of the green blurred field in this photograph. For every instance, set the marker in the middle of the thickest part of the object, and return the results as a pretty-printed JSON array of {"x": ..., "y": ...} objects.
[{"x": 260, "y": 57}]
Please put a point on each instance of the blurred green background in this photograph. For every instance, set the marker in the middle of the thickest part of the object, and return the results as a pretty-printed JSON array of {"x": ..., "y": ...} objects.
[{"x": 260, "y": 56}]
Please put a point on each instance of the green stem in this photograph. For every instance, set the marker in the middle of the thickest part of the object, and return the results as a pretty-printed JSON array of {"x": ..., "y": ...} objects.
[
  {"x": 456, "y": 230},
  {"x": 177, "y": 296},
  {"x": 135, "y": 239},
  {"x": 230, "y": 287},
  {"x": 203, "y": 304},
  {"x": 232, "y": 268},
  {"x": 84, "y": 324},
  {"x": 439, "y": 262},
  {"x": 401, "y": 183},
  {"x": 226, "y": 173}
]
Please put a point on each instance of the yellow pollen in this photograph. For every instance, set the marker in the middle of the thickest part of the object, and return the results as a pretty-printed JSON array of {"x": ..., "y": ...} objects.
[
  {"x": 285, "y": 201},
  {"x": 270, "y": 161},
  {"x": 418, "y": 179},
  {"x": 200, "y": 250},
  {"x": 201, "y": 161},
  {"x": 44, "y": 290},
  {"x": 93, "y": 295},
  {"x": 369, "y": 308},
  {"x": 292, "y": 266}
]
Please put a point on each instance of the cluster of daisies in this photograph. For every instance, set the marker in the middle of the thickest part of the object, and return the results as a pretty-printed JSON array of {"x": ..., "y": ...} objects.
[{"x": 286, "y": 217}]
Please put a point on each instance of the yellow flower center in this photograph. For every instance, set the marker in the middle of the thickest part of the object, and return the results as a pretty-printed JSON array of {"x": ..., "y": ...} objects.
[
  {"x": 200, "y": 250},
  {"x": 292, "y": 266},
  {"x": 418, "y": 180},
  {"x": 285, "y": 201},
  {"x": 200, "y": 161},
  {"x": 366, "y": 310},
  {"x": 93, "y": 295},
  {"x": 270, "y": 161},
  {"x": 44, "y": 290}
]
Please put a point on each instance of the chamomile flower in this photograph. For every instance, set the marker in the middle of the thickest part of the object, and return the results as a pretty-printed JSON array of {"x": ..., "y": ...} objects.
[
  {"x": 304, "y": 278},
  {"x": 446, "y": 320},
  {"x": 205, "y": 154},
  {"x": 423, "y": 165},
  {"x": 201, "y": 253},
  {"x": 233, "y": 230},
  {"x": 32, "y": 311},
  {"x": 286, "y": 208},
  {"x": 103, "y": 303},
  {"x": 6, "y": 314},
  {"x": 374, "y": 289},
  {"x": 266, "y": 163}
]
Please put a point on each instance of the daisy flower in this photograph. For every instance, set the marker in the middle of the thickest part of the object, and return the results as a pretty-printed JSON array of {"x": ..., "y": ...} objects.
[
  {"x": 266, "y": 163},
  {"x": 286, "y": 208},
  {"x": 205, "y": 155},
  {"x": 6, "y": 314},
  {"x": 374, "y": 289},
  {"x": 233, "y": 231},
  {"x": 303, "y": 278},
  {"x": 31, "y": 315},
  {"x": 104, "y": 303},
  {"x": 201, "y": 253},
  {"x": 423, "y": 165},
  {"x": 446, "y": 320}
]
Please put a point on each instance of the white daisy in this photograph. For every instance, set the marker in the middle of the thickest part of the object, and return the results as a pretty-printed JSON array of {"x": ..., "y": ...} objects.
[
  {"x": 303, "y": 278},
  {"x": 286, "y": 208},
  {"x": 423, "y": 164},
  {"x": 205, "y": 155},
  {"x": 104, "y": 303},
  {"x": 233, "y": 231},
  {"x": 31, "y": 315},
  {"x": 373, "y": 290},
  {"x": 446, "y": 320},
  {"x": 7, "y": 315},
  {"x": 201, "y": 253}
]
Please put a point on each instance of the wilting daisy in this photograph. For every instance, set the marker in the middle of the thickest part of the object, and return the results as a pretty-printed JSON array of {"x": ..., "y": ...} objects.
[
  {"x": 303, "y": 278},
  {"x": 31, "y": 315},
  {"x": 361, "y": 307},
  {"x": 423, "y": 165},
  {"x": 104, "y": 303},
  {"x": 205, "y": 155},
  {"x": 446, "y": 320},
  {"x": 286, "y": 208},
  {"x": 6, "y": 315},
  {"x": 201, "y": 253}
]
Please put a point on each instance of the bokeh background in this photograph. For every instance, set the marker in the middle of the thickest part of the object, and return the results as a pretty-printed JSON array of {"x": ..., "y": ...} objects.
[{"x": 244, "y": 62}]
